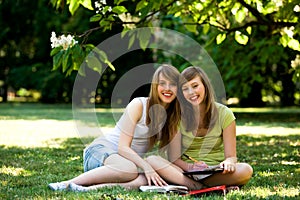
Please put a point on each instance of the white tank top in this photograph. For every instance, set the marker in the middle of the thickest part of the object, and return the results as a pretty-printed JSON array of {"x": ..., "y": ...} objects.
[{"x": 140, "y": 138}]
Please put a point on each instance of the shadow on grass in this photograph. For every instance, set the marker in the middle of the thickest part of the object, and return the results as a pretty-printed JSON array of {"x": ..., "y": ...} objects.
[{"x": 26, "y": 172}]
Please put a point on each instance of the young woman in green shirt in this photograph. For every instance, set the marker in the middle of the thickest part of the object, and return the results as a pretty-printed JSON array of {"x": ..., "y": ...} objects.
[{"x": 208, "y": 134}]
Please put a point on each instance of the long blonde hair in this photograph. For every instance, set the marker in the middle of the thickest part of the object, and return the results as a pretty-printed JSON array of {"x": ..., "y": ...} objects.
[
  {"x": 191, "y": 121},
  {"x": 154, "y": 116}
]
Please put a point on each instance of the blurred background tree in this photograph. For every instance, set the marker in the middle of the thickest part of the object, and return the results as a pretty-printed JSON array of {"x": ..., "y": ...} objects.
[{"x": 254, "y": 43}]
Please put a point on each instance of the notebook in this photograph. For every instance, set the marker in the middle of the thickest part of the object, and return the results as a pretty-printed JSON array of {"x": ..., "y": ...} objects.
[{"x": 201, "y": 174}]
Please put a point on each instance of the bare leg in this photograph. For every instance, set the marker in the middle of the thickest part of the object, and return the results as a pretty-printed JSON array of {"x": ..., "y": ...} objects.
[
  {"x": 116, "y": 169},
  {"x": 134, "y": 184},
  {"x": 171, "y": 173},
  {"x": 241, "y": 176}
]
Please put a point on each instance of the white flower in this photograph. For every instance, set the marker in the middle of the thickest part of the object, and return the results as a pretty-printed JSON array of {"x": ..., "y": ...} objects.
[
  {"x": 289, "y": 31},
  {"x": 63, "y": 41},
  {"x": 99, "y": 5}
]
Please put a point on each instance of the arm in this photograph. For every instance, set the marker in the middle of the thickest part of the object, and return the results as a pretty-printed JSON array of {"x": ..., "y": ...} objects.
[
  {"x": 128, "y": 122},
  {"x": 174, "y": 153},
  {"x": 175, "y": 156},
  {"x": 229, "y": 138}
]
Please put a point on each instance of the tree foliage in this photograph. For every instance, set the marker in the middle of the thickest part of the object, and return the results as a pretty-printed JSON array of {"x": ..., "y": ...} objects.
[
  {"x": 25, "y": 52},
  {"x": 229, "y": 17},
  {"x": 259, "y": 34},
  {"x": 233, "y": 17}
]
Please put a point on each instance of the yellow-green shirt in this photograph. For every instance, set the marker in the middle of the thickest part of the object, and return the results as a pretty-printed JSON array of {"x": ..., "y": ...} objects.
[{"x": 208, "y": 148}]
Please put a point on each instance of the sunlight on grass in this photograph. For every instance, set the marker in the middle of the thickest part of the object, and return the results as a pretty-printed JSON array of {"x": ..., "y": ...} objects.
[
  {"x": 267, "y": 130},
  {"x": 44, "y": 143},
  {"x": 41, "y": 133},
  {"x": 266, "y": 174},
  {"x": 71, "y": 159},
  {"x": 272, "y": 141},
  {"x": 267, "y": 110},
  {"x": 278, "y": 192},
  {"x": 12, "y": 171}
]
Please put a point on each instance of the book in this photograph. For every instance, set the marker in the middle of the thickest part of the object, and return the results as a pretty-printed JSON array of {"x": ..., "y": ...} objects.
[
  {"x": 201, "y": 174},
  {"x": 206, "y": 191},
  {"x": 179, "y": 189}
]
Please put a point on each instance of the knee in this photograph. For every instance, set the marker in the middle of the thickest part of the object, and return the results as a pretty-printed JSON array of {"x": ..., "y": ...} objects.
[
  {"x": 247, "y": 172},
  {"x": 155, "y": 161},
  {"x": 130, "y": 167},
  {"x": 129, "y": 171},
  {"x": 152, "y": 159}
]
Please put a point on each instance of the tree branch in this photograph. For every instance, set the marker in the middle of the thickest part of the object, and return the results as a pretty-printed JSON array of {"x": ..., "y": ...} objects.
[
  {"x": 254, "y": 12},
  {"x": 154, "y": 12},
  {"x": 248, "y": 24}
]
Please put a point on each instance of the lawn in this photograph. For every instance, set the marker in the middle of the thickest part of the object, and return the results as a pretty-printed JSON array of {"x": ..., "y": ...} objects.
[{"x": 40, "y": 144}]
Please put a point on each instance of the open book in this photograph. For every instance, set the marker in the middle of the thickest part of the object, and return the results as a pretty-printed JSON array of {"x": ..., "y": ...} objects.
[
  {"x": 201, "y": 174},
  {"x": 179, "y": 189}
]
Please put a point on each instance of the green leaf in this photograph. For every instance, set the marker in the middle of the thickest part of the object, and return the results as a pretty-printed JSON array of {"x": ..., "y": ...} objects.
[
  {"x": 104, "y": 24},
  {"x": 101, "y": 53},
  {"x": 105, "y": 9},
  {"x": 75, "y": 64},
  {"x": 220, "y": 38},
  {"x": 249, "y": 30},
  {"x": 89, "y": 47},
  {"x": 205, "y": 28},
  {"x": 141, "y": 5},
  {"x": 94, "y": 64},
  {"x": 241, "y": 38},
  {"x": 81, "y": 71},
  {"x": 110, "y": 65},
  {"x": 69, "y": 71},
  {"x": 117, "y": 2},
  {"x": 240, "y": 15},
  {"x": 103, "y": 58},
  {"x": 284, "y": 40},
  {"x": 74, "y": 4},
  {"x": 57, "y": 60},
  {"x": 191, "y": 28},
  {"x": 87, "y": 4},
  {"x": 144, "y": 37},
  {"x": 55, "y": 50},
  {"x": 119, "y": 9},
  {"x": 56, "y": 4},
  {"x": 95, "y": 18},
  {"x": 294, "y": 44},
  {"x": 190, "y": 24},
  {"x": 131, "y": 41},
  {"x": 65, "y": 60},
  {"x": 124, "y": 32}
]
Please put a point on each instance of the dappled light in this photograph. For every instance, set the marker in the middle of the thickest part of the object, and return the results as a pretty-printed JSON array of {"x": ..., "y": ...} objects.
[
  {"x": 13, "y": 171},
  {"x": 273, "y": 193},
  {"x": 38, "y": 151}
]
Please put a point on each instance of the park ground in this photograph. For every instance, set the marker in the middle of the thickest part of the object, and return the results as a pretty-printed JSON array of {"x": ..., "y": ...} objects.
[{"x": 40, "y": 144}]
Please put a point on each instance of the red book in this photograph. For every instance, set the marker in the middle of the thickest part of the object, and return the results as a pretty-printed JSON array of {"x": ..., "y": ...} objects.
[{"x": 220, "y": 188}]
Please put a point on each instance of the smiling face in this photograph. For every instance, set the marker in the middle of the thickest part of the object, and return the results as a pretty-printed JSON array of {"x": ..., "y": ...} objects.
[
  {"x": 194, "y": 91},
  {"x": 166, "y": 89}
]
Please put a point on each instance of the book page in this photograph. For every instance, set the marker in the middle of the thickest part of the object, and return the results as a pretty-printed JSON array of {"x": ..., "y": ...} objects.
[{"x": 164, "y": 189}]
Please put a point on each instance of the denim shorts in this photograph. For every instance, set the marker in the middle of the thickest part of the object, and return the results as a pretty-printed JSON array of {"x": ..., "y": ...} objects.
[{"x": 95, "y": 156}]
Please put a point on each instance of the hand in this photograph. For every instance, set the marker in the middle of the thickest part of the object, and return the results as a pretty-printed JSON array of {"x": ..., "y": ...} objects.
[
  {"x": 153, "y": 177},
  {"x": 229, "y": 165},
  {"x": 198, "y": 166}
]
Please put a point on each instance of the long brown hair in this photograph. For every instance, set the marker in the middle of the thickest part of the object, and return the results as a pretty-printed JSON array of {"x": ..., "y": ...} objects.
[
  {"x": 191, "y": 121},
  {"x": 154, "y": 119}
]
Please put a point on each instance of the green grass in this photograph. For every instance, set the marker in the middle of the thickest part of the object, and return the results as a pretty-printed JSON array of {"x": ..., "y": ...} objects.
[{"x": 38, "y": 145}]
